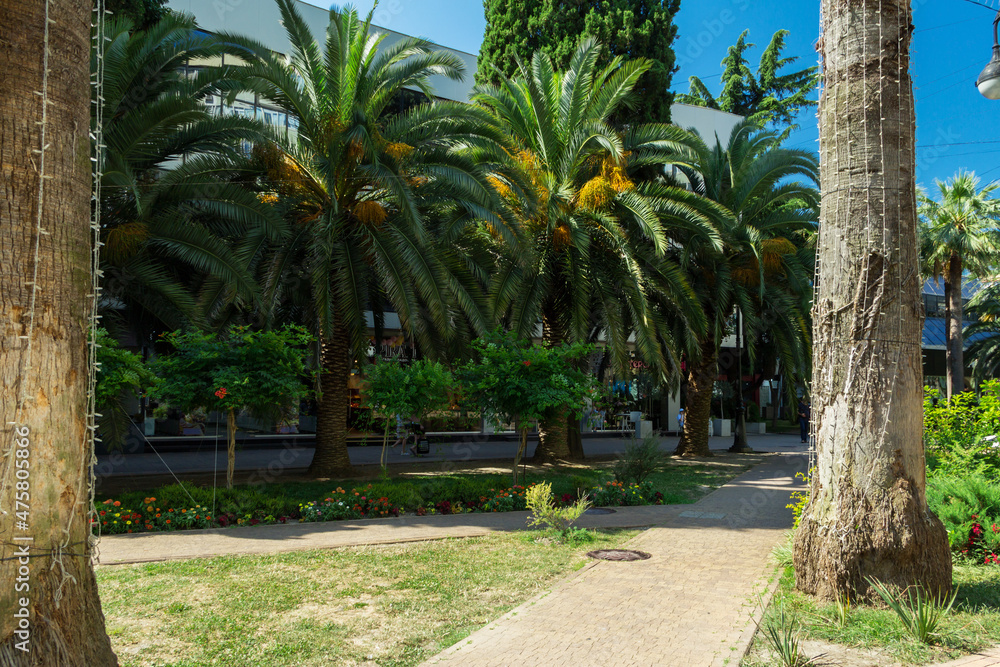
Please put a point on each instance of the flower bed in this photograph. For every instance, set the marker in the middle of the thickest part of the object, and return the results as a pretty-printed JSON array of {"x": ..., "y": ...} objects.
[{"x": 359, "y": 503}]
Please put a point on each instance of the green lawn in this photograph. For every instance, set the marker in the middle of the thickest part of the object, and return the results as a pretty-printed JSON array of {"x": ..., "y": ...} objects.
[
  {"x": 387, "y": 606},
  {"x": 974, "y": 624}
]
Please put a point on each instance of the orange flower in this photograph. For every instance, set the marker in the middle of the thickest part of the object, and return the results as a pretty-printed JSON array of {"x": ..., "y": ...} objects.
[{"x": 117, "y": 504}]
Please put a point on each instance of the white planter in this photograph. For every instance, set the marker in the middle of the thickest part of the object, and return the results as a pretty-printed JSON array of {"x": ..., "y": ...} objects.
[
  {"x": 722, "y": 428},
  {"x": 149, "y": 426},
  {"x": 643, "y": 428},
  {"x": 488, "y": 428}
]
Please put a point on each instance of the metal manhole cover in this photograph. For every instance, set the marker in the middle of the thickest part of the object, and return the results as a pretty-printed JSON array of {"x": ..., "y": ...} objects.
[
  {"x": 618, "y": 554},
  {"x": 599, "y": 510}
]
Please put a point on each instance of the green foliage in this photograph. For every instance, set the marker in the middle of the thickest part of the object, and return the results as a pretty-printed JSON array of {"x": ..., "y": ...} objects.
[
  {"x": 142, "y": 13},
  {"x": 969, "y": 507},
  {"x": 769, "y": 97},
  {"x": 800, "y": 498},
  {"x": 753, "y": 412},
  {"x": 119, "y": 371},
  {"x": 920, "y": 611},
  {"x": 962, "y": 436},
  {"x": 544, "y": 511},
  {"x": 516, "y": 29},
  {"x": 176, "y": 218},
  {"x": 408, "y": 390},
  {"x": 640, "y": 459},
  {"x": 617, "y": 494},
  {"x": 511, "y": 379},
  {"x": 781, "y": 634},
  {"x": 258, "y": 371}
]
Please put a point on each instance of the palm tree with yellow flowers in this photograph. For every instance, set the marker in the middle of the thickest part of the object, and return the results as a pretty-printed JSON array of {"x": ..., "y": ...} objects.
[
  {"x": 376, "y": 201},
  {"x": 596, "y": 229}
]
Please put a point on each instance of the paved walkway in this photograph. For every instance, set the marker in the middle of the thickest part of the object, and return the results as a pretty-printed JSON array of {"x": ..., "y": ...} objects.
[
  {"x": 987, "y": 658},
  {"x": 693, "y": 603},
  {"x": 149, "y": 547}
]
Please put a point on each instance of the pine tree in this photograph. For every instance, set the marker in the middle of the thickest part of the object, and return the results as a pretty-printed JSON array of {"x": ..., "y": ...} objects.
[
  {"x": 515, "y": 29},
  {"x": 768, "y": 97}
]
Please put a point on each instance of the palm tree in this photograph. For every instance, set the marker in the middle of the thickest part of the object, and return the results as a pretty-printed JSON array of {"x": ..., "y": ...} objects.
[
  {"x": 45, "y": 298},
  {"x": 355, "y": 183},
  {"x": 174, "y": 210},
  {"x": 867, "y": 515},
  {"x": 984, "y": 333},
  {"x": 766, "y": 208},
  {"x": 959, "y": 235},
  {"x": 590, "y": 226}
]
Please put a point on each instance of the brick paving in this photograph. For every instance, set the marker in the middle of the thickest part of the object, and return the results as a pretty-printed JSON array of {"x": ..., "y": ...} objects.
[
  {"x": 988, "y": 658},
  {"x": 693, "y": 603}
]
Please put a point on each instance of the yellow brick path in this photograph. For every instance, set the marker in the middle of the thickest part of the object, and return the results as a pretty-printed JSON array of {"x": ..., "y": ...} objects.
[{"x": 693, "y": 603}]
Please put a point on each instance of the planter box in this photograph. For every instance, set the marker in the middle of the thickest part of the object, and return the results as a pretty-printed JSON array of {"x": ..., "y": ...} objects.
[
  {"x": 149, "y": 426},
  {"x": 643, "y": 428},
  {"x": 307, "y": 424},
  {"x": 757, "y": 428},
  {"x": 722, "y": 428}
]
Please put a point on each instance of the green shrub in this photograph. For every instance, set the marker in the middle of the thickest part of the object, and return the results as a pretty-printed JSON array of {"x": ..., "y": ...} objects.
[
  {"x": 961, "y": 436},
  {"x": 969, "y": 507},
  {"x": 616, "y": 494},
  {"x": 640, "y": 459},
  {"x": 544, "y": 511}
]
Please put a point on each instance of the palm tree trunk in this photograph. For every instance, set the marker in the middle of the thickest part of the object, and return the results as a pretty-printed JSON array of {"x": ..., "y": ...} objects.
[
  {"x": 956, "y": 347},
  {"x": 947, "y": 338},
  {"x": 698, "y": 405},
  {"x": 868, "y": 513},
  {"x": 554, "y": 429},
  {"x": 45, "y": 552},
  {"x": 331, "y": 458}
]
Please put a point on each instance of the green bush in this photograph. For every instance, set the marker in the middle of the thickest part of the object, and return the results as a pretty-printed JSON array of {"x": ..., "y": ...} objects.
[
  {"x": 961, "y": 436},
  {"x": 969, "y": 507},
  {"x": 615, "y": 494},
  {"x": 640, "y": 459}
]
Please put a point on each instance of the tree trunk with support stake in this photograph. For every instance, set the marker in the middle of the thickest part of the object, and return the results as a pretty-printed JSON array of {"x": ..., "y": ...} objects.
[
  {"x": 45, "y": 557},
  {"x": 868, "y": 513},
  {"x": 231, "y": 447}
]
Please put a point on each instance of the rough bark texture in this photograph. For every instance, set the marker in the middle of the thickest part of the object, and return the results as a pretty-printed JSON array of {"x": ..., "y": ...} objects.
[
  {"x": 66, "y": 624},
  {"x": 331, "y": 458},
  {"x": 868, "y": 515},
  {"x": 698, "y": 404},
  {"x": 553, "y": 430},
  {"x": 956, "y": 347}
]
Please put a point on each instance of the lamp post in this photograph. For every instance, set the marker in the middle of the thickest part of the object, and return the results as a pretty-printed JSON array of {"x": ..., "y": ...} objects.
[
  {"x": 988, "y": 82},
  {"x": 740, "y": 437}
]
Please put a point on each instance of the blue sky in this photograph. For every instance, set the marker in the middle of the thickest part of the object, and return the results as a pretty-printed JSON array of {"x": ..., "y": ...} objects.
[{"x": 956, "y": 127}]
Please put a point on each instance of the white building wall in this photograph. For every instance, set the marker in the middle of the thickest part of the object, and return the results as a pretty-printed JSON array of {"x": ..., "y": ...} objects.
[{"x": 260, "y": 20}]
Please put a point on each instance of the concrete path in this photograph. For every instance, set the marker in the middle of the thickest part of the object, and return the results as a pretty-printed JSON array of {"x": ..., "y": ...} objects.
[
  {"x": 148, "y": 547},
  {"x": 987, "y": 658},
  {"x": 692, "y": 603}
]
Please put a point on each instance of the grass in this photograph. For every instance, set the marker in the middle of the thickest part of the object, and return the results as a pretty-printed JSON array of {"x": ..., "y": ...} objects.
[
  {"x": 388, "y": 606},
  {"x": 973, "y": 624},
  {"x": 680, "y": 482}
]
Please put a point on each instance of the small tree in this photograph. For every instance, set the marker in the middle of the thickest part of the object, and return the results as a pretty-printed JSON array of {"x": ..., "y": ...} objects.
[
  {"x": 260, "y": 372},
  {"x": 118, "y": 370},
  {"x": 514, "y": 381},
  {"x": 411, "y": 390}
]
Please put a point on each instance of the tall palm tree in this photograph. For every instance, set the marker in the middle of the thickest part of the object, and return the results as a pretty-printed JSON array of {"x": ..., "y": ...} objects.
[
  {"x": 176, "y": 217},
  {"x": 590, "y": 226},
  {"x": 766, "y": 208},
  {"x": 355, "y": 182},
  {"x": 958, "y": 236},
  {"x": 45, "y": 298},
  {"x": 867, "y": 515}
]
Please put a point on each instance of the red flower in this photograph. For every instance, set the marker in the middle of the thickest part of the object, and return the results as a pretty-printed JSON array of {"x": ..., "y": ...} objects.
[
  {"x": 527, "y": 363},
  {"x": 221, "y": 393}
]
